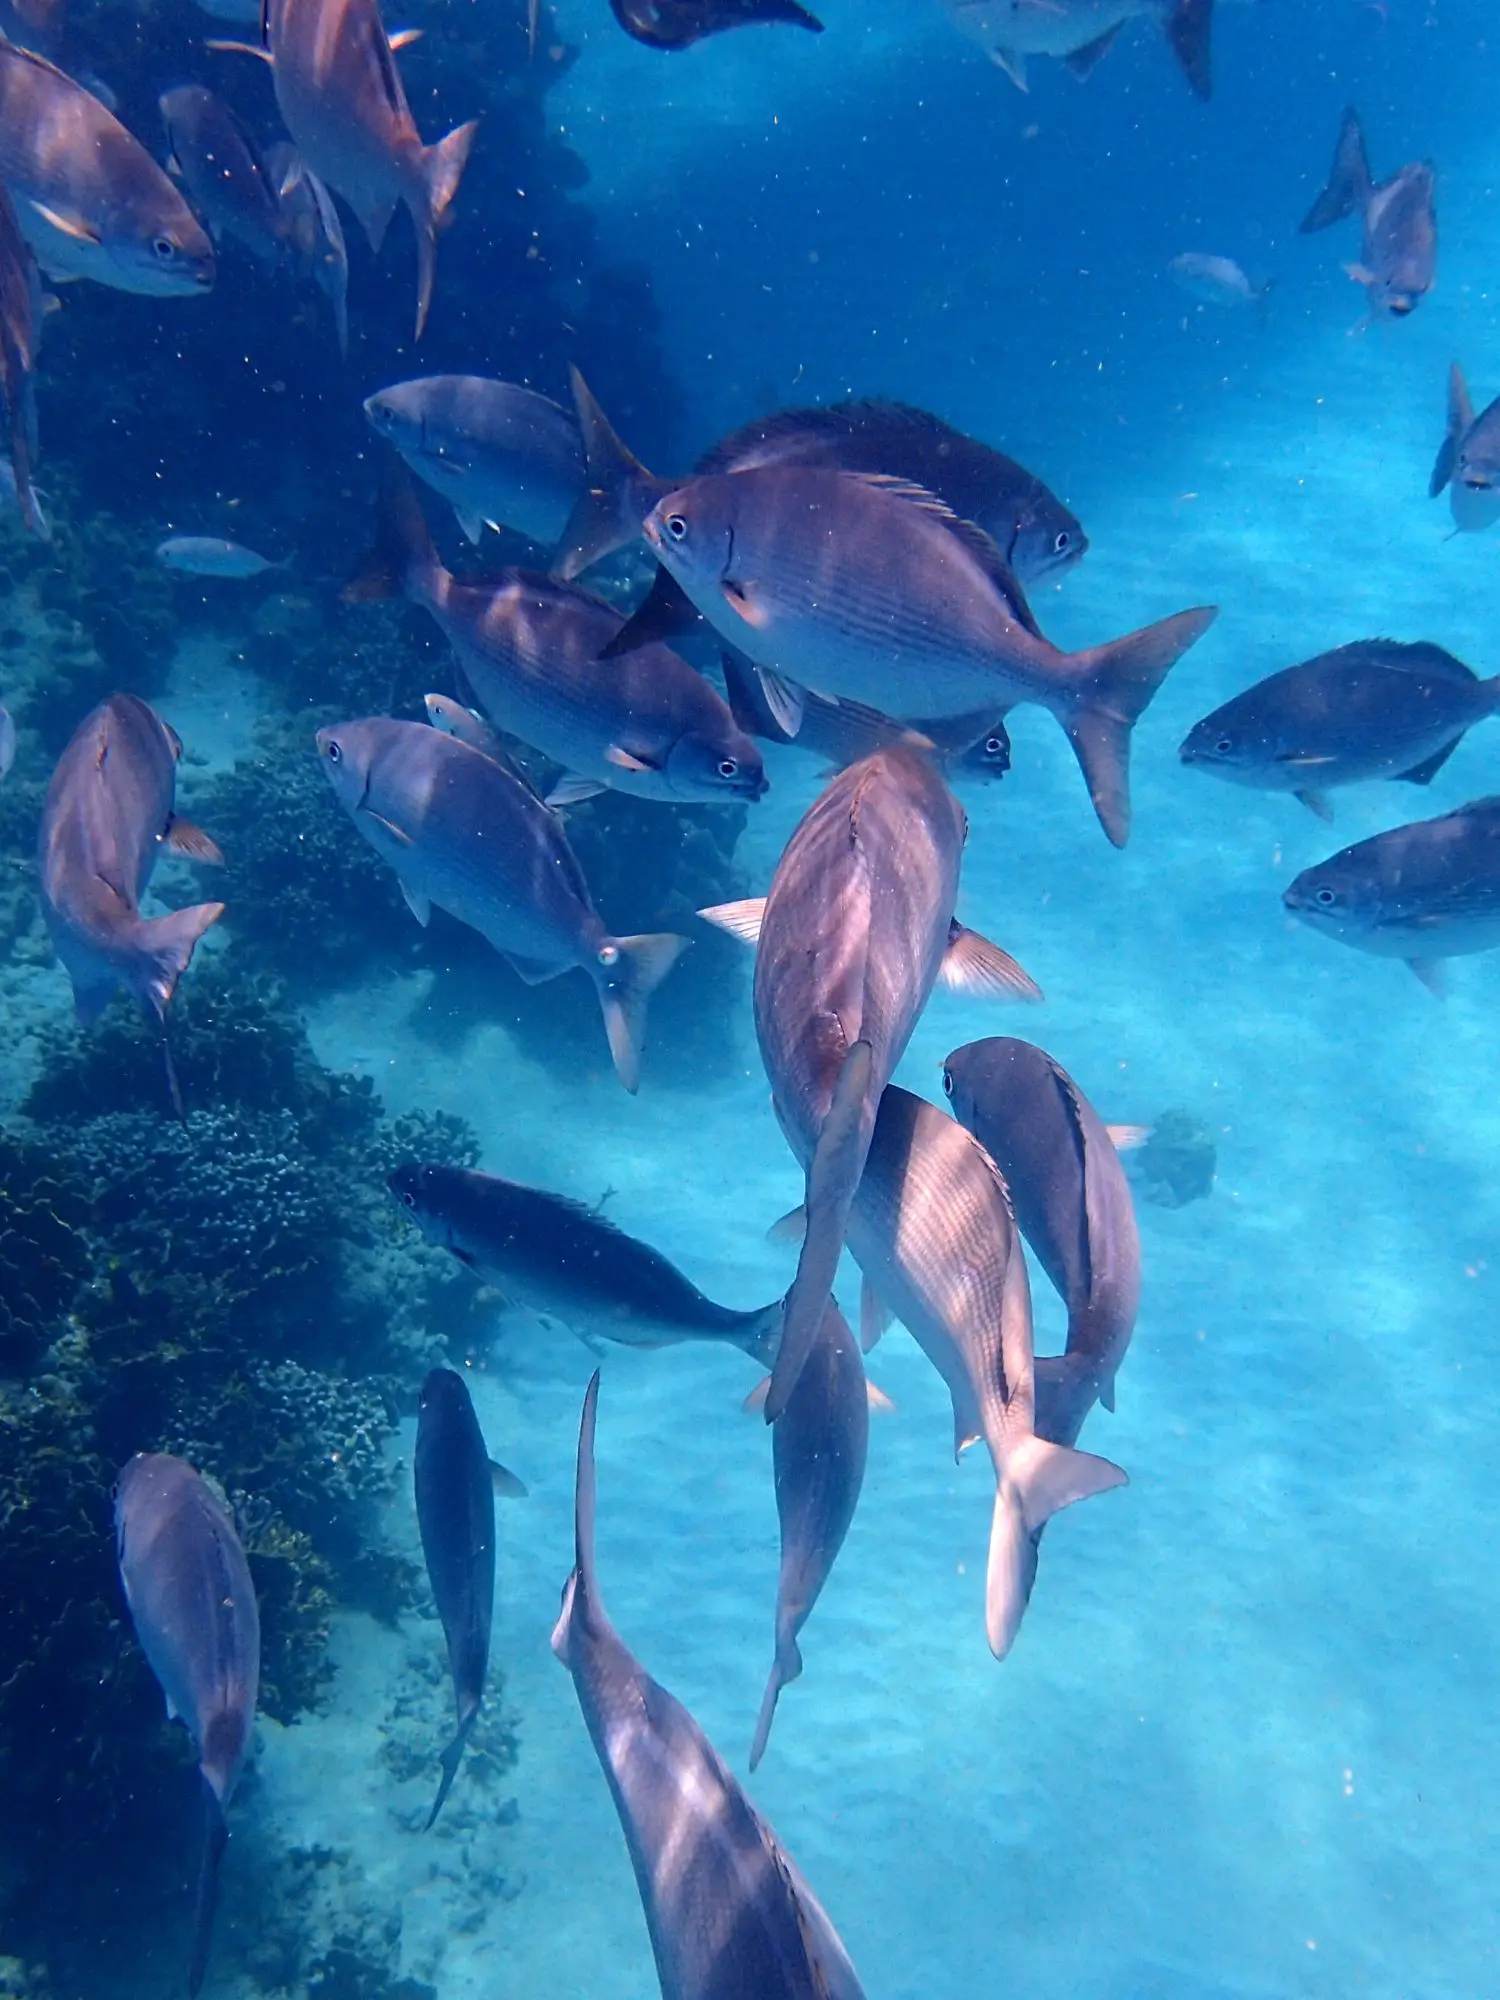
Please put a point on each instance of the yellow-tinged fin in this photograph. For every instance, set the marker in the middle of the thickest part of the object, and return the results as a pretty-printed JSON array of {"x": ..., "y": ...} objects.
[
  {"x": 877, "y": 1398},
  {"x": 240, "y": 49},
  {"x": 68, "y": 225},
  {"x": 741, "y": 920},
  {"x": 973, "y": 965},
  {"x": 403, "y": 38},
  {"x": 1125, "y": 1138},
  {"x": 182, "y": 837},
  {"x": 389, "y": 826},
  {"x": 743, "y": 599},
  {"x": 626, "y": 760}
]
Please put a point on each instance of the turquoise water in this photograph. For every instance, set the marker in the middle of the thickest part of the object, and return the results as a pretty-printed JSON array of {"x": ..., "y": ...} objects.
[{"x": 1245, "y": 1745}]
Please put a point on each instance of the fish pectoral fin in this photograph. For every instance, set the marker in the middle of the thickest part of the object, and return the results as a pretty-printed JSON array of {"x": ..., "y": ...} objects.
[
  {"x": 755, "y": 1402},
  {"x": 68, "y": 225},
  {"x": 783, "y": 699},
  {"x": 973, "y": 965},
  {"x": 388, "y": 826},
  {"x": 507, "y": 1486},
  {"x": 1430, "y": 972},
  {"x": 741, "y": 920},
  {"x": 1316, "y": 803},
  {"x": 182, "y": 837},
  {"x": 789, "y": 1228},
  {"x": 1014, "y": 64},
  {"x": 877, "y": 1399},
  {"x": 419, "y": 905},
  {"x": 402, "y": 38},
  {"x": 1427, "y": 770},
  {"x": 1083, "y": 62},
  {"x": 1125, "y": 1138},
  {"x": 626, "y": 760},
  {"x": 743, "y": 599},
  {"x": 874, "y": 1316},
  {"x": 573, "y": 790},
  {"x": 240, "y": 49},
  {"x": 1361, "y": 274}
]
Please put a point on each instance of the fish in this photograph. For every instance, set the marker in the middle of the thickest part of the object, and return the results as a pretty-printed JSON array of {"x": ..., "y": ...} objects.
[
  {"x": 211, "y": 555},
  {"x": 1423, "y": 893},
  {"x": 455, "y": 1482},
  {"x": 1217, "y": 281},
  {"x": 852, "y": 936},
  {"x": 677, "y": 24},
  {"x": 1398, "y": 260},
  {"x": 1082, "y": 32},
  {"x": 10, "y": 496},
  {"x": 1073, "y": 1203},
  {"x": 500, "y": 455},
  {"x": 7, "y": 742},
  {"x": 462, "y": 832},
  {"x": 568, "y": 1262},
  {"x": 21, "y": 311},
  {"x": 1038, "y": 536},
  {"x": 1468, "y": 460},
  {"x": 856, "y": 586},
  {"x": 444, "y": 713},
  {"x": 193, "y": 1605},
  {"x": 932, "y": 1230},
  {"x": 728, "y": 1911},
  {"x": 108, "y": 813},
  {"x": 341, "y": 99},
  {"x": 89, "y": 198},
  {"x": 220, "y": 166},
  {"x": 818, "y": 1449},
  {"x": 314, "y": 234},
  {"x": 1377, "y": 708},
  {"x": 529, "y": 647}
]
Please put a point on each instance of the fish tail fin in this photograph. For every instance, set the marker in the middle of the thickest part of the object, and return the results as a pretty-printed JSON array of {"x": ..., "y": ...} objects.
[
  {"x": 169, "y": 944},
  {"x": 762, "y": 1335},
  {"x": 628, "y": 971},
  {"x": 1188, "y": 27},
  {"x": 215, "y": 1840},
  {"x": 618, "y": 491},
  {"x": 832, "y": 1178},
  {"x": 1035, "y": 1481},
  {"x": 784, "y": 1669},
  {"x": 403, "y": 559},
  {"x": 1114, "y": 688},
  {"x": 1460, "y": 417},
  {"x": 451, "y": 1759},
  {"x": 440, "y": 170},
  {"x": 1348, "y": 179},
  {"x": 581, "y": 1591}
]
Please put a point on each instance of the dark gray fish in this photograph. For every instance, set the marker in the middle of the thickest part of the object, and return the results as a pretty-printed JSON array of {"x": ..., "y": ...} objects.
[
  {"x": 468, "y": 834},
  {"x": 107, "y": 815},
  {"x": 932, "y": 1230},
  {"x": 89, "y": 198},
  {"x": 456, "y": 1483},
  {"x": 20, "y": 327},
  {"x": 1422, "y": 893},
  {"x": 193, "y": 1605},
  {"x": 677, "y": 24},
  {"x": 530, "y": 647},
  {"x": 219, "y": 164},
  {"x": 500, "y": 455},
  {"x": 565, "y": 1260},
  {"x": 818, "y": 1449},
  {"x": 729, "y": 1913},
  {"x": 1398, "y": 259},
  {"x": 1033, "y": 530},
  {"x": 1468, "y": 460},
  {"x": 1073, "y": 1203},
  {"x": 855, "y": 931},
  {"x": 1372, "y": 709},
  {"x": 314, "y": 233}
]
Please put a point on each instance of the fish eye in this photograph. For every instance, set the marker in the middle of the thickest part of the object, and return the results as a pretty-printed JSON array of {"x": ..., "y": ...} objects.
[
  {"x": 409, "y": 1200},
  {"x": 1223, "y": 747},
  {"x": 676, "y": 527},
  {"x": 163, "y": 249},
  {"x": 335, "y": 754},
  {"x": 609, "y": 956},
  {"x": 995, "y": 746},
  {"x": 728, "y": 768},
  {"x": 1327, "y": 898},
  {"x": 947, "y": 1081},
  {"x": 1062, "y": 542}
]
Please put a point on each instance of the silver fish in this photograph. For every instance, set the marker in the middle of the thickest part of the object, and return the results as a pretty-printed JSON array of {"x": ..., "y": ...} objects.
[
  {"x": 220, "y": 166},
  {"x": 1373, "y": 709},
  {"x": 211, "y": 555},
  {"x": 1073, "y": 1203},
  {"x": 462, "y": 832},
  {"x": 932, "y": 1230},
  {"x": 856, "y": 586},
  {"x": 107, "y": 815},
  {"x": 90, "y": 200},
  {"x": 1399, "y": 257},
  {"x": 567, "y": 1261},
  {"x": 314, "y": 233},
  {"x": 1468, "y": 460},
  {"x": 500, "y": 455},
  {"x": 854, "y": 933},
  {"x": 728, "y": 1911},
  {"x": 340, "y": 97},
  {"x": 1081, "y": 32},
  {"x": 193, "y": 1605},
  {"x": 444, "y": 713},
  {"x": 20, "y": 335},
  {"x": 818, "y": 1448},
  {"x": 1217, "y": 281},
  {"x": 530, "y": 647},
  {"x": 455, "y": 1483},
  {"x": 1422, "y": 893}
]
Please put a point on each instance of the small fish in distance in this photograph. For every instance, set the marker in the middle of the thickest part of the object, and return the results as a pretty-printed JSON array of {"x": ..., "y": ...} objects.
[
  {"x": 455, "y": 1483},
  {"x": 1373, "y": 709},
  {"x": 212, "y": 555},
  {"x": 1217, "y": 281},
  {"x": 728, "y": 1911},
  {"x": 568, "y": 1262},
  {"x": 1398, "y": 259},
  {"x": 1422, "y": 893},
  {"x": 193, "y": 1606},
  {"x": 1073, "y": 1204},
  {"x": 677, "y": 24},
  {"x": 1468, "y": 460},
  {"x": 462, "y": 831},
  {"x": 1082, "y": 32}
]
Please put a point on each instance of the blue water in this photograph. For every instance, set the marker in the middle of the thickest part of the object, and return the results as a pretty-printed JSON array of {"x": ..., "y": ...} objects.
[{"x": 1246, "y": 1747}]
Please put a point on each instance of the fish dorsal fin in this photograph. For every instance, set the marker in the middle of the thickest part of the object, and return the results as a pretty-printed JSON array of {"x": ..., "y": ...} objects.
[
  {"x": 1488, "y": 806},
  {"x": 982, "y": 547},
  {"x": 1417, "y": 656}
]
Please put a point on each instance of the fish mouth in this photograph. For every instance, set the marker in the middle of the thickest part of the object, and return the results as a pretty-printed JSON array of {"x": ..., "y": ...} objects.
[{"x": 1400, "y": 307}]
